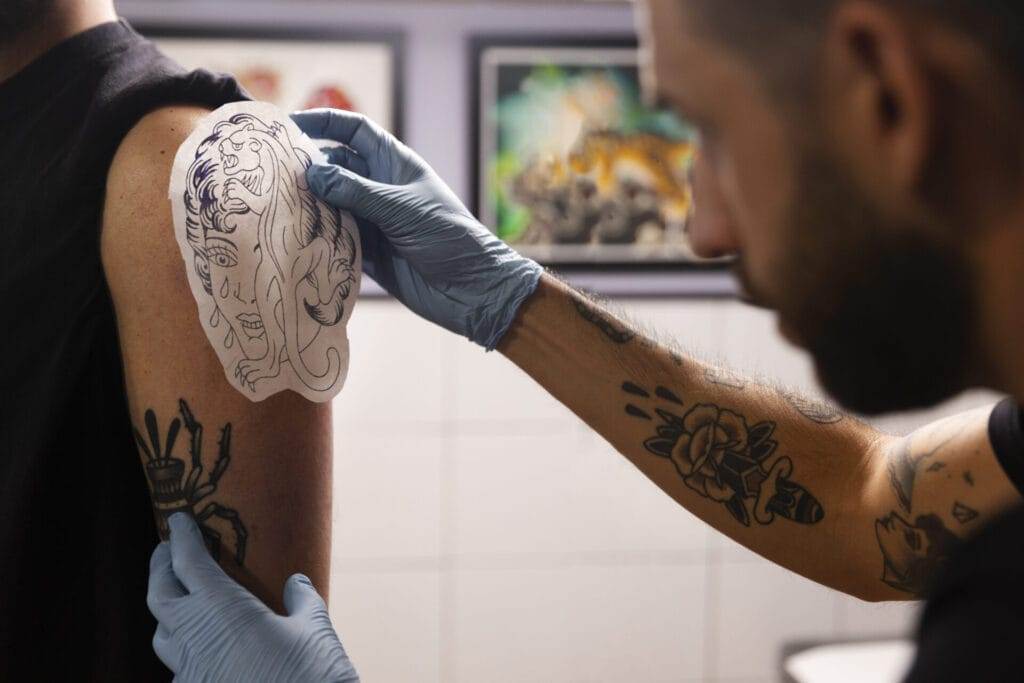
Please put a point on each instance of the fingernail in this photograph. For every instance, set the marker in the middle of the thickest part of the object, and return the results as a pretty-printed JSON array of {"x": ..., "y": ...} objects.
[{"x": 177, "y": 520}]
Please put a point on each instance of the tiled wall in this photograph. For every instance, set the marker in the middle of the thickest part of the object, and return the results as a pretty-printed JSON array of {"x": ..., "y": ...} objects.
[{"x": 483, "y": 534}]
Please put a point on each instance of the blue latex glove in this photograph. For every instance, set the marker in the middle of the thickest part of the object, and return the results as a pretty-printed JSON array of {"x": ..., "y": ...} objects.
[
  {"x": 212, "y": 629},
  {"x": 419, "y": 242}
]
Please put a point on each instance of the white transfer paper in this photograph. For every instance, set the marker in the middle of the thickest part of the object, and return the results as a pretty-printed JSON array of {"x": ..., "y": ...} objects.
[{"x": 274, "y": 270}]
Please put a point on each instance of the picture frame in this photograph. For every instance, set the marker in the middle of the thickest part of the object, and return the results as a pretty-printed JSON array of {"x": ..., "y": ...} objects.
[
  {"x": 300, "y": 68},
  {"x": 569, "y": 165}
]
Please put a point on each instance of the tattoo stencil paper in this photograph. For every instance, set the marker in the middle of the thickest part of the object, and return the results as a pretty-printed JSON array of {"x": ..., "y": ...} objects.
[{"x": 274, "y": 270}]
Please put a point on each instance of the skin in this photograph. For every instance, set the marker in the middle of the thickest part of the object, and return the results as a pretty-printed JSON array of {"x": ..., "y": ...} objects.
[
  {"x": 279, "y": 477},
  {"x": 284, "y": 502},
  {"x": 872, "y": 487}
]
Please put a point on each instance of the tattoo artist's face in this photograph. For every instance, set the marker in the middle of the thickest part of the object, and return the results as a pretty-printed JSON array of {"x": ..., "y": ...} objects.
[
  {"x": 882, "y": 305},
  {"x": 234, "y": 258}
]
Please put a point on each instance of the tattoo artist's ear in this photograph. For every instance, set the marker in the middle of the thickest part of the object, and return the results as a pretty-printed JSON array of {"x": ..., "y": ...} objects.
[{"x": 876, "y": 100}]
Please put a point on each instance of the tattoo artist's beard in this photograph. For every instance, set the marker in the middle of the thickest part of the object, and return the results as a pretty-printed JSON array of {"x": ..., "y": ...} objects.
[{"x": 885, "y": 309}]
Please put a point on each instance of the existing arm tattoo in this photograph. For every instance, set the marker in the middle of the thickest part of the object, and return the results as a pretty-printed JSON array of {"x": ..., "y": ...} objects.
[
  {"x": 609, "y": 326},
  {"x": 914, "y": 548},
  {"x": 816, "y": 411},
  {"x": 722, "y": 458},
  {"x": 724, "y": 377},
  {"x": 174, "y": 492}
]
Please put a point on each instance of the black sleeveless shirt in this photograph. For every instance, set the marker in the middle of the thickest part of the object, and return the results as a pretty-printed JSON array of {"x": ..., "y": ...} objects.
[{"x": 76, "y": 526}]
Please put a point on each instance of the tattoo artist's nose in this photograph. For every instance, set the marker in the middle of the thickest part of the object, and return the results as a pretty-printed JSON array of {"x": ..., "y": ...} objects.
[{"x": 710, "y": 228}]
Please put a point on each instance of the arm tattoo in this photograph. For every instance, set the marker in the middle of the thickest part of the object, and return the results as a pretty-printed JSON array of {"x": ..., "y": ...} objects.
[
  {"x": 722, "y": 458},
  {"x": 603, "y": 321},
  {"x": 964, "y": 514},
  {"x": 724, "y": 377},
  {"x": 903, "y": 468},
  {"x": 816, "y": 411},
  {"x": 914, "y": 551},
  {"x": 172, "y": 492}
]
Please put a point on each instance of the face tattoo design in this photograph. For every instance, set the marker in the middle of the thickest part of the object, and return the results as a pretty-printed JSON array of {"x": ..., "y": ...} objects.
[{"x": 274, "y": 270}]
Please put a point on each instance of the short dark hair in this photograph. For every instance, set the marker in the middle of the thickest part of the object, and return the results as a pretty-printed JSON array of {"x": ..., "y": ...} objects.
[{"x": 761, "y": 28}]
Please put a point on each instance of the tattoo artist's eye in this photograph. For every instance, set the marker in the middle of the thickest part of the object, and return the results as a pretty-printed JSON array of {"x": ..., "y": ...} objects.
[{"x": 222, "y": 257}]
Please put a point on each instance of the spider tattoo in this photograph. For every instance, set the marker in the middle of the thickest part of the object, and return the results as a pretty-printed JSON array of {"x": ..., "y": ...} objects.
[{"x": 166, "y": 474}]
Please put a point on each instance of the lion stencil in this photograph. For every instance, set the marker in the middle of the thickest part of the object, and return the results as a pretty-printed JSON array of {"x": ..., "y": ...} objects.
[{"x": 278, "y": 264}]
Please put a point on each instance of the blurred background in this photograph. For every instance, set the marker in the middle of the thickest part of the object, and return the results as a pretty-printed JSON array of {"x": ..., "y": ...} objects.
[{"x": 481, "y": 532}]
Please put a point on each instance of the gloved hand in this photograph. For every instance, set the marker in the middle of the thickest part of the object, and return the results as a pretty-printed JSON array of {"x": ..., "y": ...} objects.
[
  {"x": 212, "y": 629},
  {"x": 419, "y": 242}
]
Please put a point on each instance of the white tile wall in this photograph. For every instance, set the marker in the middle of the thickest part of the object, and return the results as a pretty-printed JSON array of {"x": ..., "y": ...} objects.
[
  {"x": 482, "y": 533},
  {"x": 578, "y": 623}
]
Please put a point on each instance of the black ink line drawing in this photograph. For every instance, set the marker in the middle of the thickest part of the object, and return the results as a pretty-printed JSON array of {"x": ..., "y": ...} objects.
[
  {"x": 667, "y": 395},
  {"x": 723, "y": 459},
  {"x": 171, "y": 494},
  {"x": 816, "y": 411},
  {"x": 631, "y": 388},
  {"x": 913, "y": 553},
  {"x": 276, "y": 261},
  {"x": 903, "y": 468},
  {"x": 964, "y": 514},
  {"x": 935, "y": 467},
  {"x": 969, "y": 478},
  {"x": 595, "y": 316},
  {"x": 637, "y": 412}
]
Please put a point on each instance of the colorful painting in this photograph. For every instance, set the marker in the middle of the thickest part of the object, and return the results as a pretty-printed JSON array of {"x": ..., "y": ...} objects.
[
  {"x": 300, "y": 72},
  {"x": 573, "y": 166}
]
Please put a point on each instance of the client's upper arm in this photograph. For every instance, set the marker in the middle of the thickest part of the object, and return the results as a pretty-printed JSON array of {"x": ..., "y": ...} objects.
[{"x": 257, "y": 476}]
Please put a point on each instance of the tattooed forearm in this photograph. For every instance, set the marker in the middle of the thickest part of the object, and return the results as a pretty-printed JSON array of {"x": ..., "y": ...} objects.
[
  {"x": 816, "y": 411},
  {"x": 609, "y": 326},
  {"x": 722, "y": 458},
  {"x": 724, "y": 377},
  {"x": 174, "y": 492}
]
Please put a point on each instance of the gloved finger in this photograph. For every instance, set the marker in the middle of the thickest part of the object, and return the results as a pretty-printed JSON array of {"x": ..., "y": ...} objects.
[
  {"x": 346, "y": 127},
  {"x": 346, "y": 190},
  {"x": 190, "y": 559},
  {"x": 164, "y": 586},
  {"x": 167, "y": 649},
  {"x": 300, "y": 598},
  {"x": 347, "y": 157}
]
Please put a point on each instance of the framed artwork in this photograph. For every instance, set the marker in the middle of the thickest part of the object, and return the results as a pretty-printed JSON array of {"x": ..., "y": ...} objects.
[
  {"x": 571, "y": 166},
  {"x": 299, "y": 69}
]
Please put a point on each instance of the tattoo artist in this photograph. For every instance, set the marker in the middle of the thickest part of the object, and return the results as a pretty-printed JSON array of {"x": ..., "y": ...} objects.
[{"x": 865, "y": 162}]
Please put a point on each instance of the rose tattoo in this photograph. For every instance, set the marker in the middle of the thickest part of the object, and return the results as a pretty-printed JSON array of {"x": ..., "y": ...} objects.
[{"x": 722, "y": 458}]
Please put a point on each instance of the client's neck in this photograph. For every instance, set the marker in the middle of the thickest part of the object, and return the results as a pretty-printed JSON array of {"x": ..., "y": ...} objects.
[{"x": 66, "y": 19}]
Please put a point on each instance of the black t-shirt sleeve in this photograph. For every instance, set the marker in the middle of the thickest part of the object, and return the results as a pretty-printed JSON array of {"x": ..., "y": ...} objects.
[
  {"x": 1006, "y": 431},
  {"x": 973, "y": 621}
]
